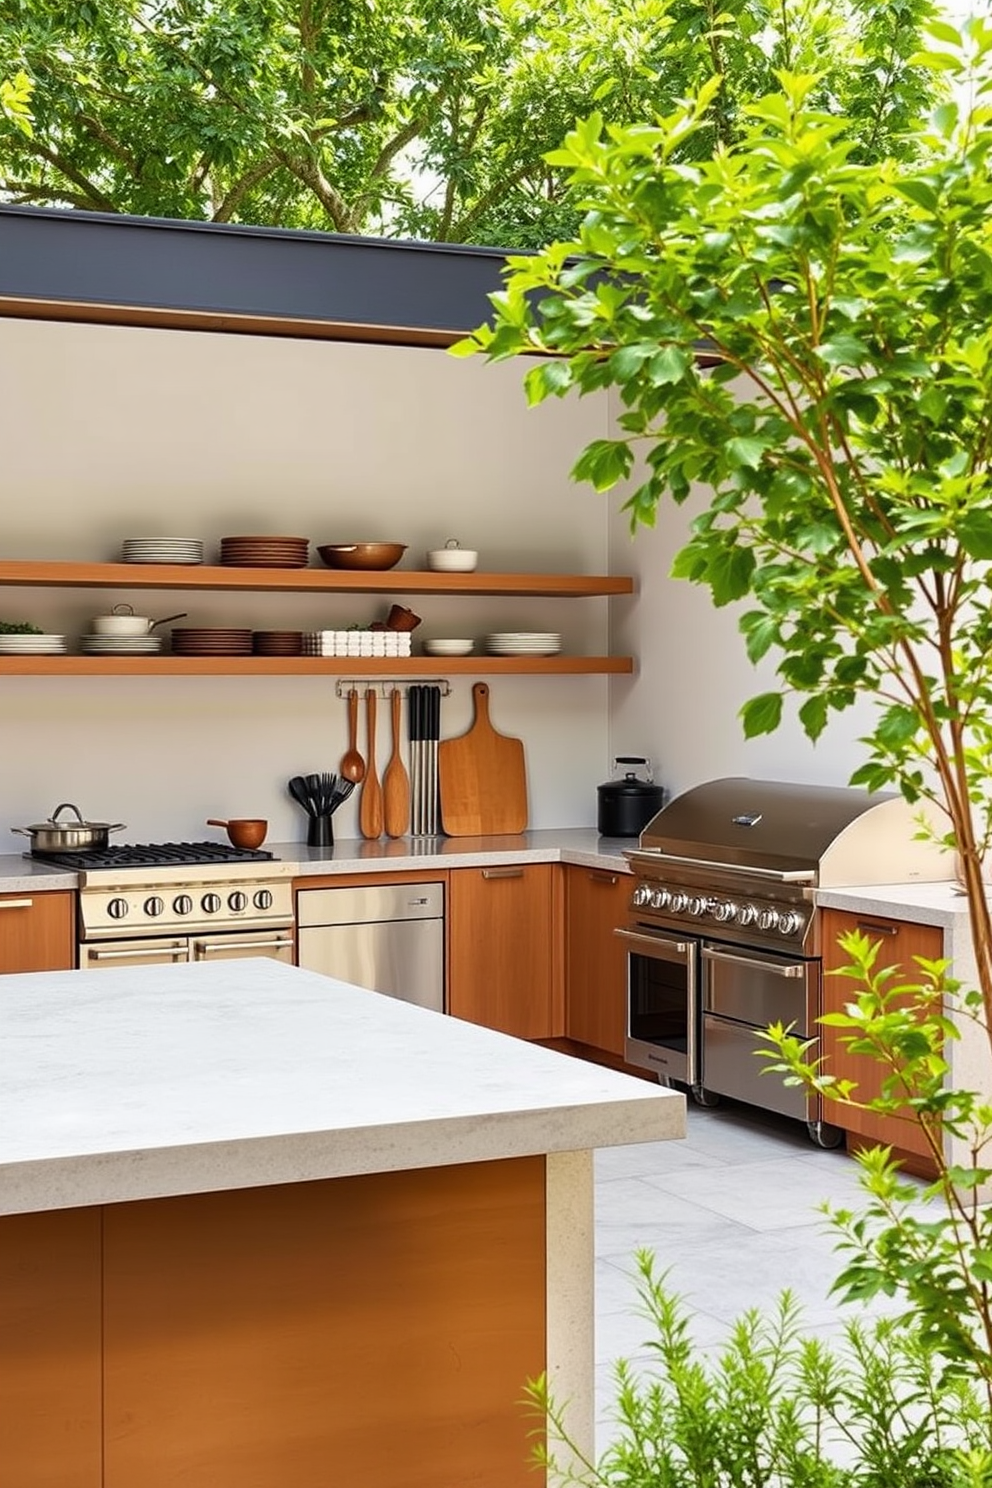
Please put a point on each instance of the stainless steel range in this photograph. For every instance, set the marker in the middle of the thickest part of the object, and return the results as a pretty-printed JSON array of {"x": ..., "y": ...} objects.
[
  {"x": 188, "y": 901},
  {"x": 723, "y": 934}
]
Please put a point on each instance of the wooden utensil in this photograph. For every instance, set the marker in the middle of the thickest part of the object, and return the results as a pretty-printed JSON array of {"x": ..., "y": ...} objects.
[
  {"x": 396, "y": 781},
  {"x": 370, "y": 806},
  {"x": 352, "y": 765},
  {"x": 482, "y": 777}
]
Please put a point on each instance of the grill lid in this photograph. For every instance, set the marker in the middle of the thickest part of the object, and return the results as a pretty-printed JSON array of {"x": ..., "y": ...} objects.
[{"x": 841, "y": 834}]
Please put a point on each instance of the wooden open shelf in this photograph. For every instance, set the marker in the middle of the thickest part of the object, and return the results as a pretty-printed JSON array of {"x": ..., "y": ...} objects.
[
  {"x": 309, "y": 666},
  {"x": 306, "y": 580}
]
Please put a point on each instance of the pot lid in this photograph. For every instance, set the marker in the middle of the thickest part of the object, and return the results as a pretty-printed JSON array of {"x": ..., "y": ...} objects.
[{"x": 68, "y": 826}]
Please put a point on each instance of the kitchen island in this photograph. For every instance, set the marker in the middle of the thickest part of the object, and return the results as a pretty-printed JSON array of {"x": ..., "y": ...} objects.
[{"x": 265, "y": 1230}]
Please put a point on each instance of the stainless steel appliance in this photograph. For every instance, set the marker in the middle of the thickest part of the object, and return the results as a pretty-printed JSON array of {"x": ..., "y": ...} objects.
[
  {"x": 723, "y": 936},
  {"x": 199, "y": 901},
  {"x": 389, "y": 938}
]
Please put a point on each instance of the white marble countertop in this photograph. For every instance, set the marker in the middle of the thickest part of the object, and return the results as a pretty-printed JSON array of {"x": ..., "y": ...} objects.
[
  {"x": 940, "y": 904},
  {"x": 164, "y": 1080},
  {"x": 582, "y": 846}
]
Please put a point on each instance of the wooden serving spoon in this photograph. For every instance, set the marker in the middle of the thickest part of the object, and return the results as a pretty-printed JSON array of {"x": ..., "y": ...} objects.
[
  {"x": 396, "y": 781},
  {"x": 352, "y": 765},
  {"x": 370, "y": 806}
]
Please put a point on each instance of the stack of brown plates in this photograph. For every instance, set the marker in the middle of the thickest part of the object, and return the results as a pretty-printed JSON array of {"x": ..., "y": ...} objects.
[
  {"x": 265, "y": 552},
  {"x": 193, "y": 641},
  {"x": 277, "y": 642}
]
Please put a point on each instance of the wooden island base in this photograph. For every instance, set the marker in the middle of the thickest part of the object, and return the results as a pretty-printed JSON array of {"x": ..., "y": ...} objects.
[{"x": 374, "y": 1330}]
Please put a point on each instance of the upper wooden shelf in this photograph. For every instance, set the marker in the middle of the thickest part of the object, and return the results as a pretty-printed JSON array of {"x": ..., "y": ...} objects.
[
  {"x": 306, "y": 580},
  {"x": 307, "y": 666}
]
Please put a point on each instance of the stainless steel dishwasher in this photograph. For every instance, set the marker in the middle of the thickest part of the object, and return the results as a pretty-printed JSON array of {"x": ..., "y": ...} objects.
[{"x": 387, "y": 937}]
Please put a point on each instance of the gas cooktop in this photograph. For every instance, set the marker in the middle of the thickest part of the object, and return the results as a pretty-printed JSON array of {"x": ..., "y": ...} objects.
[{"x": 155, "y": 855}]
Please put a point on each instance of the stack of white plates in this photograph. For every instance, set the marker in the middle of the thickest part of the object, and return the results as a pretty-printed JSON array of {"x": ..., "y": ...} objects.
[
  {"x": 31, "y": 645},
  {"x": 523, "y": 643},
  {"x": 105, "y": 645},
  {"x": 162, "y": 550}
]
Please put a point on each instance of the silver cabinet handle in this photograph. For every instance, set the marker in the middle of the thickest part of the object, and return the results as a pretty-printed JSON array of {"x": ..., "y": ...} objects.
[
  {"x": 653, "y": 942},
  {"x": 176, "y": 953},
  {"x": 16, "y": 903},
  {"x": 204, "y": 947},
  {"x": 502, "y": 873},
  {"x": 873, "y": 929},
  {"x": 775, "y": 967}
]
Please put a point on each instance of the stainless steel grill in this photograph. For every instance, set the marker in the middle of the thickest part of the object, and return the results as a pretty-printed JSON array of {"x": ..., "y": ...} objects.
[{"x": 723, "y": 935}]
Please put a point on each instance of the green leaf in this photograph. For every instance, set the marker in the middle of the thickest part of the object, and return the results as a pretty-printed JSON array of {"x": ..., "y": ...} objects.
[
  {"x": 762, "y": 715},
  {"x": 813, "y": 716},
  {"x": 745, "y": 451},
  {"x": 669, "y": 365},
  {"x": 974, "y": 530}
]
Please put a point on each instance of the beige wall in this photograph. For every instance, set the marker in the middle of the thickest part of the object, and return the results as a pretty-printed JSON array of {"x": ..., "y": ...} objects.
[{"x": 114, "y": 432}]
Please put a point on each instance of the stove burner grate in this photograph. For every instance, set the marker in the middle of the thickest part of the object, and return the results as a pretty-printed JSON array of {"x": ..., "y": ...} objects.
[{"x": 156, "y": 855}]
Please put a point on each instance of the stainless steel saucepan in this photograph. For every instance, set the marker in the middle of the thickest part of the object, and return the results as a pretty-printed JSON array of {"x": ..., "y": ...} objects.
[{"x": 78, "y": 836}]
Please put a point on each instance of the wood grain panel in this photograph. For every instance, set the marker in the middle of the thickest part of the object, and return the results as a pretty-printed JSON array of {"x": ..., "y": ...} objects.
[
  {"x": 37, "y": 932},
  {"x": 371, "y": 1331},
  {"x": 500, "y": 962},
  {"x": 50, "y": 1340},
  {"x": 595, "y": 958},
  {"x": 901, "y": 941}
]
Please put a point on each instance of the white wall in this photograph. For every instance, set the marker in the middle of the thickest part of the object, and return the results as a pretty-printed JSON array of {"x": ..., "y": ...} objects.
[
  {"x": 114, "y": 432},
  {"x": 682, "y": 707}
]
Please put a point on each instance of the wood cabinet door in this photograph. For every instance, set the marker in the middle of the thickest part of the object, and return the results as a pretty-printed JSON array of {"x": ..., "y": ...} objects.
[
  {"x": 595, "y": 958},
  {"x": 36, "y": 932},
  {"x": 901, "y": 941},
  {"x": 501, "y": 928}
]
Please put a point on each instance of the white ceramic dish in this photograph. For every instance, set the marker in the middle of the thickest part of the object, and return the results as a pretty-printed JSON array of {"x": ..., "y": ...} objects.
[
  {"x": 449, "y": 647},
  {"x": 452, "y": 559}
]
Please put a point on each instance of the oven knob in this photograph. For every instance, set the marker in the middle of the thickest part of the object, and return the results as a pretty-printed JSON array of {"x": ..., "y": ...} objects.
[
  {"x": 262, "y": 899},
  {"x": 153, "y": 906},
  {"x": 210, "y": 903},
  {"x": 642, "y": 895},
  {"x": 724, "y": 910},
  {"x": 660, "y": 898},
  {"x": 182, "y": 904},
  {"x": 768, "y": 919},
  {"x": 117, "y": 909},
  {"x": 789, "y": 922},
  {"x": 747, "y": 915},
  {"x": 679, "y": 902},
  {"x": 698, "y": 905},
  {"x": 237, "y": 900}
]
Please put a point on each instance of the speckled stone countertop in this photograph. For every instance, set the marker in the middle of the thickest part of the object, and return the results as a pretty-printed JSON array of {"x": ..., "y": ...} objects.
[
  {"x": 165, "y": 1080},
  {"x": 579, "y": 845},
  {"x": 940, "y": 904}
]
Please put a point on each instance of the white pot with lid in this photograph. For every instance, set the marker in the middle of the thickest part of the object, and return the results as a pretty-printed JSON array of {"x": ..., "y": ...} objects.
[{"x": 122, "y": 621}]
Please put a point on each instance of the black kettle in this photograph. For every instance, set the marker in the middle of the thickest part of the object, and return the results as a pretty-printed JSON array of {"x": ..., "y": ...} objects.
[{"x": 628, "y": 801}]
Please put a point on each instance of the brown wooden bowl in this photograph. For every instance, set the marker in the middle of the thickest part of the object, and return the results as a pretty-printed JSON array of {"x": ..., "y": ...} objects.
[
  {"x": 376, "y": 555},
  {"x": 248, "y": 832}
]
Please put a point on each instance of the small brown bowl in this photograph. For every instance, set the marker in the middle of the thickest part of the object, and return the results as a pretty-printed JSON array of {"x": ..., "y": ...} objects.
[
  {"x": 374, "y": 555},
  {"x": 246, "y": 832}
]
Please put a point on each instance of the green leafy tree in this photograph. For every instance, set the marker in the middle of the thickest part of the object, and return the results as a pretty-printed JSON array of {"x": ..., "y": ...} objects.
[
  {"x": 807, "y": 338},
  {"x": 423, "y": 118}
]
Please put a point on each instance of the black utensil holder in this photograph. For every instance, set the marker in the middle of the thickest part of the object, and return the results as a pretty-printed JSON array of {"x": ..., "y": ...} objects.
[{"x": 320, "y": 832}]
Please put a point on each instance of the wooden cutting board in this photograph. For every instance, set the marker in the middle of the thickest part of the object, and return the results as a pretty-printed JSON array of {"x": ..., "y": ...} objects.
[{"x": 482, "y": 778}]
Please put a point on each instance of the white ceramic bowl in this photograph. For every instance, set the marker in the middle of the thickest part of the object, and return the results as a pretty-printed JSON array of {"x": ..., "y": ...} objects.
[
  {"x": 121, "y": 625},
  {"x": 452, "y": 560},
  {"x": 449, "y": 647}
]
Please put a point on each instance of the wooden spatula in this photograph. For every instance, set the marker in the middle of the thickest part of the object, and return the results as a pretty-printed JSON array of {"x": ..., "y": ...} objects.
[
  {"x": 396, "y": 781},
  {"x": 370, "y": 806}
]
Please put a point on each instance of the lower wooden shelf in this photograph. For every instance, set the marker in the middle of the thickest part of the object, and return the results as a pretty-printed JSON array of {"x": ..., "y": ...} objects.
[{"x": 302, "y": 666}]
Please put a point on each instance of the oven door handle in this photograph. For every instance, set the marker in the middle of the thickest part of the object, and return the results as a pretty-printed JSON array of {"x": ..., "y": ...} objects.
[
  {"x": 652, "y": 942},
  {"x": 793, "y": 969},
  {"x": 788, "y": 875},
  {"x": 176, "y": 952},
  {"x": 233, "y": 943}
]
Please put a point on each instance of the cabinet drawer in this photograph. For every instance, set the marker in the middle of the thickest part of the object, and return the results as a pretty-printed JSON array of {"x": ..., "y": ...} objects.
[{"x": 37, "y": 931}]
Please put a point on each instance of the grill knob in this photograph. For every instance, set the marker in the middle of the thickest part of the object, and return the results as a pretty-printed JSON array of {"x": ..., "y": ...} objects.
[
  {"x": 679, "y": 902},
  {"x": 117, "y": 909},
  {"x": 724, "y": 910},
  {"x": 263, "y": 899},
  {"x": 660, "y": 898},
  {"x": 642, "y": 895},
  {"x": 210, "y": 903},
  {"x": 237, "y": 900},
  {"x": 182, "y": 904},
  {"x": 153, "y": 906},
  {"x": 789, "y": 922},
  {"x": 768, "y": 919},
  {"x": 747, "y": 916},
  {"x": 697, "y": 905}
]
